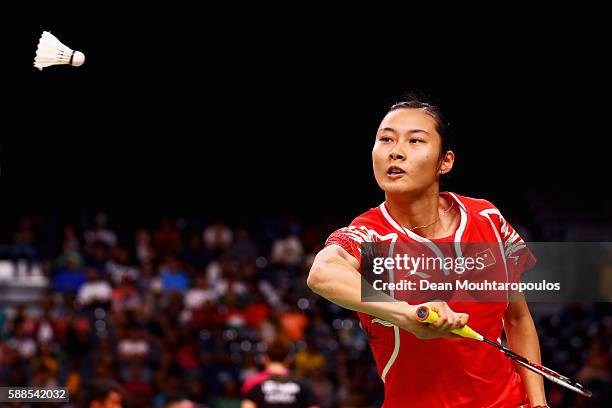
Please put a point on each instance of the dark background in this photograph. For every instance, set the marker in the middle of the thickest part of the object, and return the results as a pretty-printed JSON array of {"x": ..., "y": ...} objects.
[
  {"x": 209, "y": 113},
  {"x": 174, "y": 115}
]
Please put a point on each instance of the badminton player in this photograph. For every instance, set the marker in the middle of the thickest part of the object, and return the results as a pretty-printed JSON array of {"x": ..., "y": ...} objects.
[
  {"x": 427, "y": 365},
  {"x": 276, "y": 387}
]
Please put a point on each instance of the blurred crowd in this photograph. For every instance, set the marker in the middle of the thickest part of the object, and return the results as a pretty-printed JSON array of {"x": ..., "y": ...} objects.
[{"x": 182, "y": 309}]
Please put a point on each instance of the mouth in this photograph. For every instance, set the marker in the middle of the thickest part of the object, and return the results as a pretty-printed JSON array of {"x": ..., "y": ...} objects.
[{"x": 395, "y": 172}]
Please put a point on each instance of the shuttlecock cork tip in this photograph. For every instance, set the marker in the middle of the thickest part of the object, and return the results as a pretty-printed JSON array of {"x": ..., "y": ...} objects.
[{"x": 78, "y": 58}]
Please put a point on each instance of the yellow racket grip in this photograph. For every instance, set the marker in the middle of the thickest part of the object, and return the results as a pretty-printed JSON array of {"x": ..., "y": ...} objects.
[{"x": 425, "y": 315}]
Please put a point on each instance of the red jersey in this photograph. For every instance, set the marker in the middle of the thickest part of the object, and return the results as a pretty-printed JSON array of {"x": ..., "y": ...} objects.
[{"x": 444, "y": 372}]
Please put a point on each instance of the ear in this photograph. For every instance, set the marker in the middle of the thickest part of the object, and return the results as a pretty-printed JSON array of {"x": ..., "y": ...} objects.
[{"x": 446, "y": 163}]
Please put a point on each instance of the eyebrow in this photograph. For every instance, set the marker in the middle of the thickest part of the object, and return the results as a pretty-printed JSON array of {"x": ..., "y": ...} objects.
[{"x": 388, "y": 129}]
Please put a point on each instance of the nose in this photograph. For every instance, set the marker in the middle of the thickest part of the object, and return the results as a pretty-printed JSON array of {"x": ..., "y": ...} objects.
[{"x": 396, "y": 155}]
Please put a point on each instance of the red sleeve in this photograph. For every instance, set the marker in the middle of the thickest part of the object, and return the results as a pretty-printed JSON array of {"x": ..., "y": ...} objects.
[
  {"x": 348, "y": 239},
  {"x": 519, "y": 258}
]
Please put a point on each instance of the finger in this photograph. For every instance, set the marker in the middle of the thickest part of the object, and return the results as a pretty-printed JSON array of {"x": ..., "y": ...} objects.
[
  {"x": 456, "y": 322},
  {"x": 463, "y": 317},
  {"x": 439, "y": 307},
  {"x": 440, "y": 323},
  {"x": 444, "y": 309},
  {"x": 450, "y": 325},
  {"x": 447, "y": 328},
  {"x": 452, "y": 321}
]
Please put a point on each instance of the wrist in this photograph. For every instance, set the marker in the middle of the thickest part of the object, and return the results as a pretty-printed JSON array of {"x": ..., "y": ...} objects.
[{"x": 404, "y": 314}]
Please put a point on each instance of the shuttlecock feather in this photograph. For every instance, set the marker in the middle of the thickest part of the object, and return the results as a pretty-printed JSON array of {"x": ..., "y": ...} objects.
[{"x": 51, "y": 51}]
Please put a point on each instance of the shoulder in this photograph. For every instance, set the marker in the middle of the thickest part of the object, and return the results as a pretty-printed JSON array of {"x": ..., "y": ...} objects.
[
  {"x": 371, "y": 226},
  {"x": 367, "y": 227},
  {"x": 476, "y": 205},
  {"x": 481, "y": 211},
  {"x": 488, "y": 213},
  {"x": 363, "y": 222},
  {"x": 480, "y": 208},
  {"x": 252, "y": 382},
  {"x": 372, "y": 216}
]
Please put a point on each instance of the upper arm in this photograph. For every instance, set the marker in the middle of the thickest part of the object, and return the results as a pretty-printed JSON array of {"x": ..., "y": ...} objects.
[
  {"x": 334, "y": 253},
  {"x": 328, "y": 262}
]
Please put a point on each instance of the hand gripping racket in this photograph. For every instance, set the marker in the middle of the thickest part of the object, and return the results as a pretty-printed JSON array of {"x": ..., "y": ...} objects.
[{"x": 425, "y": 315}]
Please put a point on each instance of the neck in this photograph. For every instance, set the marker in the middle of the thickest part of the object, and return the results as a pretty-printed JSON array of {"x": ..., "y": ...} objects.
[
  {"x": 417, "y": 209},
  {"x": 275, "y": 367}
]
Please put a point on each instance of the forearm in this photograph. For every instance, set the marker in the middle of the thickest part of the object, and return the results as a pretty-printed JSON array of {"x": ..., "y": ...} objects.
[
  {"x": 335, "y": 276},
  {"x": 339, "y": 282},
  {"x": 523, "y": 340}
]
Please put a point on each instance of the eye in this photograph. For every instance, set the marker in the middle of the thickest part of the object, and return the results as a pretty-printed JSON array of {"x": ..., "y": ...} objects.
[
  {"x": 415, "y": 141},
  {"x": 385, "y": 139}
]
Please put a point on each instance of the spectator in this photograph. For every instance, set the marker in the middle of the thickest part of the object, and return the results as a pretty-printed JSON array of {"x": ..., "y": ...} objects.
[
  {"x": 99, "y": 257},
  {"x": 195, "y": 255},
  {"x": 217, "y": 237},
  {"x": 95, "y": 291},
  {"x": 24, "y": 345},
  {"x": 24, "y": 241},
  {"x": 287, "y": 250},
  {"x": 67, "y": 253},
  {"x": 199, "y": 296},
  {"x": 180, "y": 403},
  {"x": 143, "y": 249},
  {"x": 310, "y": 360},
  {"x": 322, "y": 388},
  {"x": 126, "y": 297},
  {"x": 243, "y": 247},
  {"x": 100, "y": 232},
  {"x": 71, "y": 240},
  {"x": 45, "y": 330},
  {"x": 173, "y": 277},
  {"x": 596, "y": 373},
  {"x": 293, "y": 323},
  {"x": 137, "y": 384},
  {"x": 275, "y": 386},
  {"x": 103, "y": 393},
  {"x": 167, "y": 238},
  {"x": 69, "y": 279},
  {"x": 134, "y": 347},
  {"x": 118, "y": 267}
]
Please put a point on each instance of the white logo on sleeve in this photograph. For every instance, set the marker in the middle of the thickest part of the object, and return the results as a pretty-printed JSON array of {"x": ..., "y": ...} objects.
[{"x": 512, "y": 241}]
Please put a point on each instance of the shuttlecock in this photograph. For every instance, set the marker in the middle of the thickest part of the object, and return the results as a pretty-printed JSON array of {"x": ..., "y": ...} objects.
[{"x": 51, "y": 51}]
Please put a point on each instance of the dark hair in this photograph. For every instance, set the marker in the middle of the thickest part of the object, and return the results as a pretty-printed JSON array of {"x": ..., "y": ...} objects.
[
  {"x": 278, "y": 351},
  {"x": 417, "y": 100},
  {"x": 99, "y": 389}
]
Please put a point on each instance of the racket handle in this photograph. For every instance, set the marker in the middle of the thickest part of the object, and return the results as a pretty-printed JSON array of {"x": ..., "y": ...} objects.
[{"x": 424, "y": 314}]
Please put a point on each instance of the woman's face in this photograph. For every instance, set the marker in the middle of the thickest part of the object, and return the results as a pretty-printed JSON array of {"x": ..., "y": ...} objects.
[{"x": 406, "y": 154}]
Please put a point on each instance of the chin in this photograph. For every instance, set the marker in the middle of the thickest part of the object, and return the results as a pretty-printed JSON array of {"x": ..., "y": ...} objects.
[{"x": 395, "y": 188}]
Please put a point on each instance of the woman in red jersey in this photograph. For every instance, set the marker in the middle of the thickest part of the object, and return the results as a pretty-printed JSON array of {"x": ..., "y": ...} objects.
[{"x": 427, "y": 365}]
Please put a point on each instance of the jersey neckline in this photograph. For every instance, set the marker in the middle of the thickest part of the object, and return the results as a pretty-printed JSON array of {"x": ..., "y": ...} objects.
[{"x": 454, "y": 237}]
